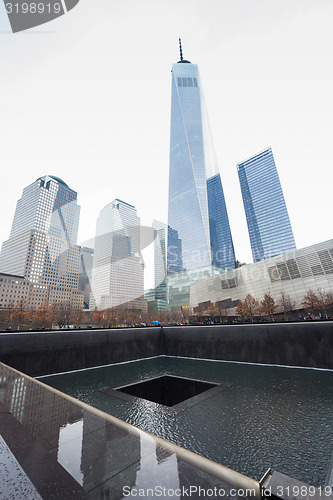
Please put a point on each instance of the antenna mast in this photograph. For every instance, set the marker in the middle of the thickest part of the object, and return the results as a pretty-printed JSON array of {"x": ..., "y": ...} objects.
[{"x": 180, "y": 49}]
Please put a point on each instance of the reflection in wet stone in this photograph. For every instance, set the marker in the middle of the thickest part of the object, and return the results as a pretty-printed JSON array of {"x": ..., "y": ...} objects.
[
  {"x": 106, "y": 451},
  {"x": 105, "y": 454},
  {"x": 14, "y": 483}
]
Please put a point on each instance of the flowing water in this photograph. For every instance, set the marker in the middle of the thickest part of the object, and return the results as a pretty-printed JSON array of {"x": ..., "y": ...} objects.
[{"x": 271, "y": 416}]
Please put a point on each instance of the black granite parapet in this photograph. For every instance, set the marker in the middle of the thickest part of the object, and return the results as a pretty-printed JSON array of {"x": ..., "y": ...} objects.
[
  {"x": 305, "y": 344},
  {"x": 281, "y": 487},
  {"x": 49, "y": 478},
  {"x": 43, "y": 353}
]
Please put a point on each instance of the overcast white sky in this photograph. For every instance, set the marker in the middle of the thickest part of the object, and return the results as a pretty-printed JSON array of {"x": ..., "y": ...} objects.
[{"x": 87, "y": 98}]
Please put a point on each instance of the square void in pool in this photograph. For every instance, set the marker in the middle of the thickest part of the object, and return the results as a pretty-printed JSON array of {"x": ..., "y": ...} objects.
[{"x": 167, "y": 390}]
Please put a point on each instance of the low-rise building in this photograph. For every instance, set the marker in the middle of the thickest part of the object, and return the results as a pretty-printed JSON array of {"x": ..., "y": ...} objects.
[
  {"x": 19, "y": 291},
  {"x": 291, "y": 274},
  {"x": 178, "y": 284}
]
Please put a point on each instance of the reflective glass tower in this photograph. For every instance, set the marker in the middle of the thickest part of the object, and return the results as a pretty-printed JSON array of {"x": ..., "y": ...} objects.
[
  {"x": 265, "y": 208},
  {"x": 160, "y": 257},
  {"x": 117, "y": 274},
  {"x": 199, "y": 232}
]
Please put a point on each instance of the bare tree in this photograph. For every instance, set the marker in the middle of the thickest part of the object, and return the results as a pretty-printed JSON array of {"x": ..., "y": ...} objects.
[
  {"x": 325, "y": 301},
  {"x": 240, "y": 309},
  {"x": 312, "y": 303},
  {"x": 224, "y": 313},
  {"x": 328, "y": 302},
  {"x": 248, "y": 307},
  {"x": 268, "y": 305},
  {"x": 21, "y": 315},
  {"x": 251, "y": 306},
  {"x": 154, "y": 315},
  {"x": 98, "y": 316},
  {"x": 212, "y": 311},
  {"x": 62, "y": 313},
  {"x": 76, "y": 316},
  {"x": 6, "y": 316},
  {"x": 133, "y": 315},
  {"x": 44, "y": 315},
  {"x": 175, "y": 315},
  {"x": 121, "y": 315},
  {"x": 287, "y": 305},
  {"x": 111, "y": 315}
]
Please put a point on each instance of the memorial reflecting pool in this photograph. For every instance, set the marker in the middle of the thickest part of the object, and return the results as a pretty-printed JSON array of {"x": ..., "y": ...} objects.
[{"x": 264, "y": 416}]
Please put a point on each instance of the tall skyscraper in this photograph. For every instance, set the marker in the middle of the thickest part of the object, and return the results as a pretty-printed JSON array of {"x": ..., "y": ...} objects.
[
  {"x": 265, "y": 208},
  {"x": 199, "y": 232},
  {"x": 87, "y": 255},
  {"x": 117, "y": 275},
  {"x": 42, "y": 244},
  {"x": 160, "y": 251},
  {"x": 160, "y": 242}
]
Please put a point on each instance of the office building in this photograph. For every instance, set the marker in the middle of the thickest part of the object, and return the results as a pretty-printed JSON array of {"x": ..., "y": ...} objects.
[
  {"x": 160, "y": 269},
  {"x": 289, "y": 275},
  {"x": 157, "y": 296},
  {"x": 86, "y": 264},
  {"x": 117, "y": 275},
  {"x": 179, "y": 285},
  {"x": 155, "y": 304},
  {"x": 199, "y": 232},
  {"x": 265, "y": 208},
  {"x": 16, "y": 291},
  {"x": 159, "y": 252},
  {"x": 42, "y": 245}
]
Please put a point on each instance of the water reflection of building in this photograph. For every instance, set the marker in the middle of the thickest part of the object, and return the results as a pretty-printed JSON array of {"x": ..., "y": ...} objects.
[
  {"x": 157, "y": 467},
  {"x": 31, "y": 404},
  {"x": 102, "y": 454},
  {"x": 106, "y": 452}
]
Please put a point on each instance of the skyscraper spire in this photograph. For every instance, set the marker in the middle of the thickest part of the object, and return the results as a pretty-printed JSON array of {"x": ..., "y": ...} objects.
[
  {"x": 182, "y": 60},
  {"x": 180, "y": 49}
]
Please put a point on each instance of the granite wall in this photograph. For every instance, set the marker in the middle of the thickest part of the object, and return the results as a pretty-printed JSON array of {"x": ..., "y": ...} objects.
[
  {"x": 42, "y": 353},
  {"x": 295, "y": 344}
]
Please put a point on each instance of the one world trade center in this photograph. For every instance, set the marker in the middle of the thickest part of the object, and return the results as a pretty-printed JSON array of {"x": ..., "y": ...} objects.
[{"x": 198, "y": 224}]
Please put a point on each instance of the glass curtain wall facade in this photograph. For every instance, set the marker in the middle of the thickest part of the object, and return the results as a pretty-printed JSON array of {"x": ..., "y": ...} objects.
[
  {"x": 42, "y": 244},
  {"x": 160, "y": 261},
  {"x": 266, "y": 213},
  {"x": 117, "y": 274},
  {"x": 87, "y": 255},
  {"x": 220, "y": 236},
  {"x": 197, "y": 218}
]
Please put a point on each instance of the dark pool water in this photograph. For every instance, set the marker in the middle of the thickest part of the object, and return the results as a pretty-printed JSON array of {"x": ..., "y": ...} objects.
[{"x": 271, "y": 417}]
